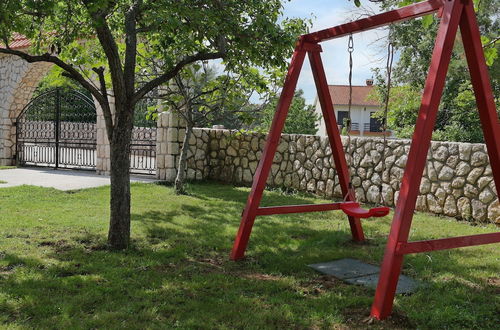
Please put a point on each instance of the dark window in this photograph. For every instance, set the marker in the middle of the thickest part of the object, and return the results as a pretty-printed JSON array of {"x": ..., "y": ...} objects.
[
  {"x": 375, "y": 123},
  {"x": 342, "y": 117}
]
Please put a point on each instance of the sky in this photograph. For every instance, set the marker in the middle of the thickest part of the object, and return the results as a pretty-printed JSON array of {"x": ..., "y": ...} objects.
[{"x": 368, "y": 52}]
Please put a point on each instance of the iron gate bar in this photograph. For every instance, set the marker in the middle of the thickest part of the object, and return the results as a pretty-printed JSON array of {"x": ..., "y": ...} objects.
[
  {"x": 57, "y": 130},
  {"x": 57, "y": 123}
]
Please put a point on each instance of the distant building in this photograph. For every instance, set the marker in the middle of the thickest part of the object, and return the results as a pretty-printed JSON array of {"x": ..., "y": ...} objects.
[{"x": 362, "y": 110}]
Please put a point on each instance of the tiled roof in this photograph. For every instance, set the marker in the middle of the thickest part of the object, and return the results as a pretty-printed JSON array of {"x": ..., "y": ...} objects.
[
  {"x": 340, "y": 95},
  {"x": 18, "y": 42}
]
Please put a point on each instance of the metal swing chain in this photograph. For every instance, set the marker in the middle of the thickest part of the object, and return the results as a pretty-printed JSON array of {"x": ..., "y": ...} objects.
[
  {"x": 390, "y": 59},
  {"x": 348, "y": 149}
]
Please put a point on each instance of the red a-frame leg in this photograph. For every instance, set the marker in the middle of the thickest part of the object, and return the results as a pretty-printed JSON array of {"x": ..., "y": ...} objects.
[
  {"x": 252, "y": 208},
  {"x": 262, "y": 172},
  {"x": 417, "y": 157},
  {"x": 334, "y": 136},
  {"x": 458, "y": 12},
  {"x": 482, "y": 88}
]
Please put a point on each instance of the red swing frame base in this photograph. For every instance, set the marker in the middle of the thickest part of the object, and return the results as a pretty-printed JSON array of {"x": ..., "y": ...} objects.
[{"x": 454, "y": 14}]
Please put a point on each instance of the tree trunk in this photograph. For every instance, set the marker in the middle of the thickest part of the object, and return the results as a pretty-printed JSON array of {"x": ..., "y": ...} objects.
[
  {"x": 181, "y": 168},
  {"x": 119, "y": 227}
]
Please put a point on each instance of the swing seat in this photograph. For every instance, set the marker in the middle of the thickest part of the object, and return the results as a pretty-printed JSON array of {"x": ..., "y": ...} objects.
[{"x": 354, "y": 210}]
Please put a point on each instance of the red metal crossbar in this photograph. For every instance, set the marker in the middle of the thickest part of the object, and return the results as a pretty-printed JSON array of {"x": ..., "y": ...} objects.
[
  {"x": 373, "y": 22},
  {"x": 270, "y": 210},
  {"x": 453, "y": 13},
  {"x": 447, "y": 243}
]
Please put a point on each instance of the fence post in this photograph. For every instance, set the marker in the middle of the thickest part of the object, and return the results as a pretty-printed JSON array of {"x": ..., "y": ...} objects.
[
  {"x": 170, "y": 133},
  {"x": 103, "y": 150}
]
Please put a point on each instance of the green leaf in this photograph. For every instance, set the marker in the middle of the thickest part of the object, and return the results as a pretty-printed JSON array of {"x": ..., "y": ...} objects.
[{"x": 427, "y": 21}]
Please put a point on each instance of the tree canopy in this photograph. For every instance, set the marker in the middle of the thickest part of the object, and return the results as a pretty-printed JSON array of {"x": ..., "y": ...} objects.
[
  {"x": 458, "y": 119},
  {"x": 107, "y": 47},
  {"x": 301, "y": 117}
]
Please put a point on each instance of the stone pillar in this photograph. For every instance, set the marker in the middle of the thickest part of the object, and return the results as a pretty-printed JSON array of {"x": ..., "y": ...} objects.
[
  {"x": 18, "y": 81},
  {"x": 103, "y": 150},
  {"x": 170, "y": 134}
]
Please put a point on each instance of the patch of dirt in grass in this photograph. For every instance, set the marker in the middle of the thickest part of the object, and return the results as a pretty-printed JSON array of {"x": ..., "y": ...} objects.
[
  {"x": 214, "y": 261},
  {"x": 320, "y": 285},
  {"x": 59, "y": 246},
  {"x": 358, "y": 318},
  {"x": 7, "y": 270},
  {"x": 261, "y": 277},
  {"x": 464, "y": 282},
  {"x": 495, "y": 283}
]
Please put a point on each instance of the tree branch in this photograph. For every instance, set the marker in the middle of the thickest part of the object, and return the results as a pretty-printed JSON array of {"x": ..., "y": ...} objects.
[
  {"x": 106, "y": 109},
  {"x": 173, "y": 72},
  {"x": 109, "y": 46},
  {"x": 72, "y": 72},
  {"x": 131, "y": 47}
]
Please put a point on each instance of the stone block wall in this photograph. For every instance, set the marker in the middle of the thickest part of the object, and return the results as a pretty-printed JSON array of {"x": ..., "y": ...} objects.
[
  {"x": 457, "y": 181},
  {"x": 170, "y": 136},
  {"x": 103, "y": 150}
]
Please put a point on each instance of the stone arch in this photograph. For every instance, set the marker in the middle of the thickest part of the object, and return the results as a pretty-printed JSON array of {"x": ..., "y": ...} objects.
[{"x": 18, "y": 81}]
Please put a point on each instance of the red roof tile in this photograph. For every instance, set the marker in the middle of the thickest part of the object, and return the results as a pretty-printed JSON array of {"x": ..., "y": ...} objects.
[
  {"x": 18, "y": 42},
  {"x": 340, "y": 95}
]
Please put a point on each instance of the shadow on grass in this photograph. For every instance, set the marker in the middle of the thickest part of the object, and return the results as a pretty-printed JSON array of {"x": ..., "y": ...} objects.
[{"x": 178, "y": 275}]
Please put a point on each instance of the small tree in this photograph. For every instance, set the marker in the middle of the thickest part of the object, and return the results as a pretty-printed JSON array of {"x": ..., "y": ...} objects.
[
  {"x": 301, "y": 117},
  {"x": 201, "y": 97},
  {"x": 105, "y": 46},
  {"x": 458, "y": 119}
]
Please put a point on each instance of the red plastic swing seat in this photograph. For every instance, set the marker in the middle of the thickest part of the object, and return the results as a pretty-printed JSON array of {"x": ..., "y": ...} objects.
[{"x": 354, "y": 210}]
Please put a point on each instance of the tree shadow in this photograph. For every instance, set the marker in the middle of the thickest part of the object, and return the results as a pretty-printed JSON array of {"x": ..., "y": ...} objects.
[{"x": 178, "y": 274}]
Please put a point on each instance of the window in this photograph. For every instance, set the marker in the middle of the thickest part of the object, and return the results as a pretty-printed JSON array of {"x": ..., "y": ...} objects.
[
  {"x": 375, "y": 123},
  {"x": 342, "y": 117}
]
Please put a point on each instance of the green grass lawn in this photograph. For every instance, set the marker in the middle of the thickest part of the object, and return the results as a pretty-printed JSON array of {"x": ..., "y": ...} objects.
[{"x": 56, "y": 273}]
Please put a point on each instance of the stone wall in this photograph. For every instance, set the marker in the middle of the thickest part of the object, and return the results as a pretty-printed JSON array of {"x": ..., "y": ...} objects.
[
  {"x": 457, "y": 180},
  {"x": 170, "y": 135},
  {"x": 18, "y": 81}
]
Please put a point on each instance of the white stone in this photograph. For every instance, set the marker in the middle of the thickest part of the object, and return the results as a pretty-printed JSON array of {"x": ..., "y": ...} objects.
[{"x": 446, "y": 173}]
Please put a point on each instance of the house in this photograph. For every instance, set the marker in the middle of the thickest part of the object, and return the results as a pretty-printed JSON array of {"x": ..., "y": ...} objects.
[{"x": 363, "y": 108}]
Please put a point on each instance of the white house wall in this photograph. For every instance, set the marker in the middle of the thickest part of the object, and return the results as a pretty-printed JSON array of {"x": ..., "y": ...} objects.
[{"x": 359, "y": 114}]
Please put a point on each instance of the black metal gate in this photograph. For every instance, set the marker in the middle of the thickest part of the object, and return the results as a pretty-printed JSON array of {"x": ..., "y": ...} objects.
[
  {"x": 57, "y": 129},
  {"x": 143, "y": 144}
]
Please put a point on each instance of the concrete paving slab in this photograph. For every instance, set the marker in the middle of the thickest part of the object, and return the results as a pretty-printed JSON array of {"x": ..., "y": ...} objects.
[
  {"x": 406, "y": 285},
  {"x": 345, "y": 268},
  {"x": 360, "y": 273},
  {"x": 61, "y": 179}
]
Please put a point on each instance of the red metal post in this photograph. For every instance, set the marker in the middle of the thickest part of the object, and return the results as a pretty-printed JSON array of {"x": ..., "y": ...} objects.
[
  {"x": 417, "y": 157},
  {"x": 332, "y": 130},
  {"x": 482, "y": 88},
  {"x": 273, "y": 139}
]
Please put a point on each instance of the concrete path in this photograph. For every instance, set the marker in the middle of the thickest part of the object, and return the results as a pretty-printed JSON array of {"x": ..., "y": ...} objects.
[{"x": 58, "y": 179}]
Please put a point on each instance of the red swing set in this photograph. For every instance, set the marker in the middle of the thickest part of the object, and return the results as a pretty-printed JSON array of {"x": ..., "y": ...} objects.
[{"x": 453, "y": 14}]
